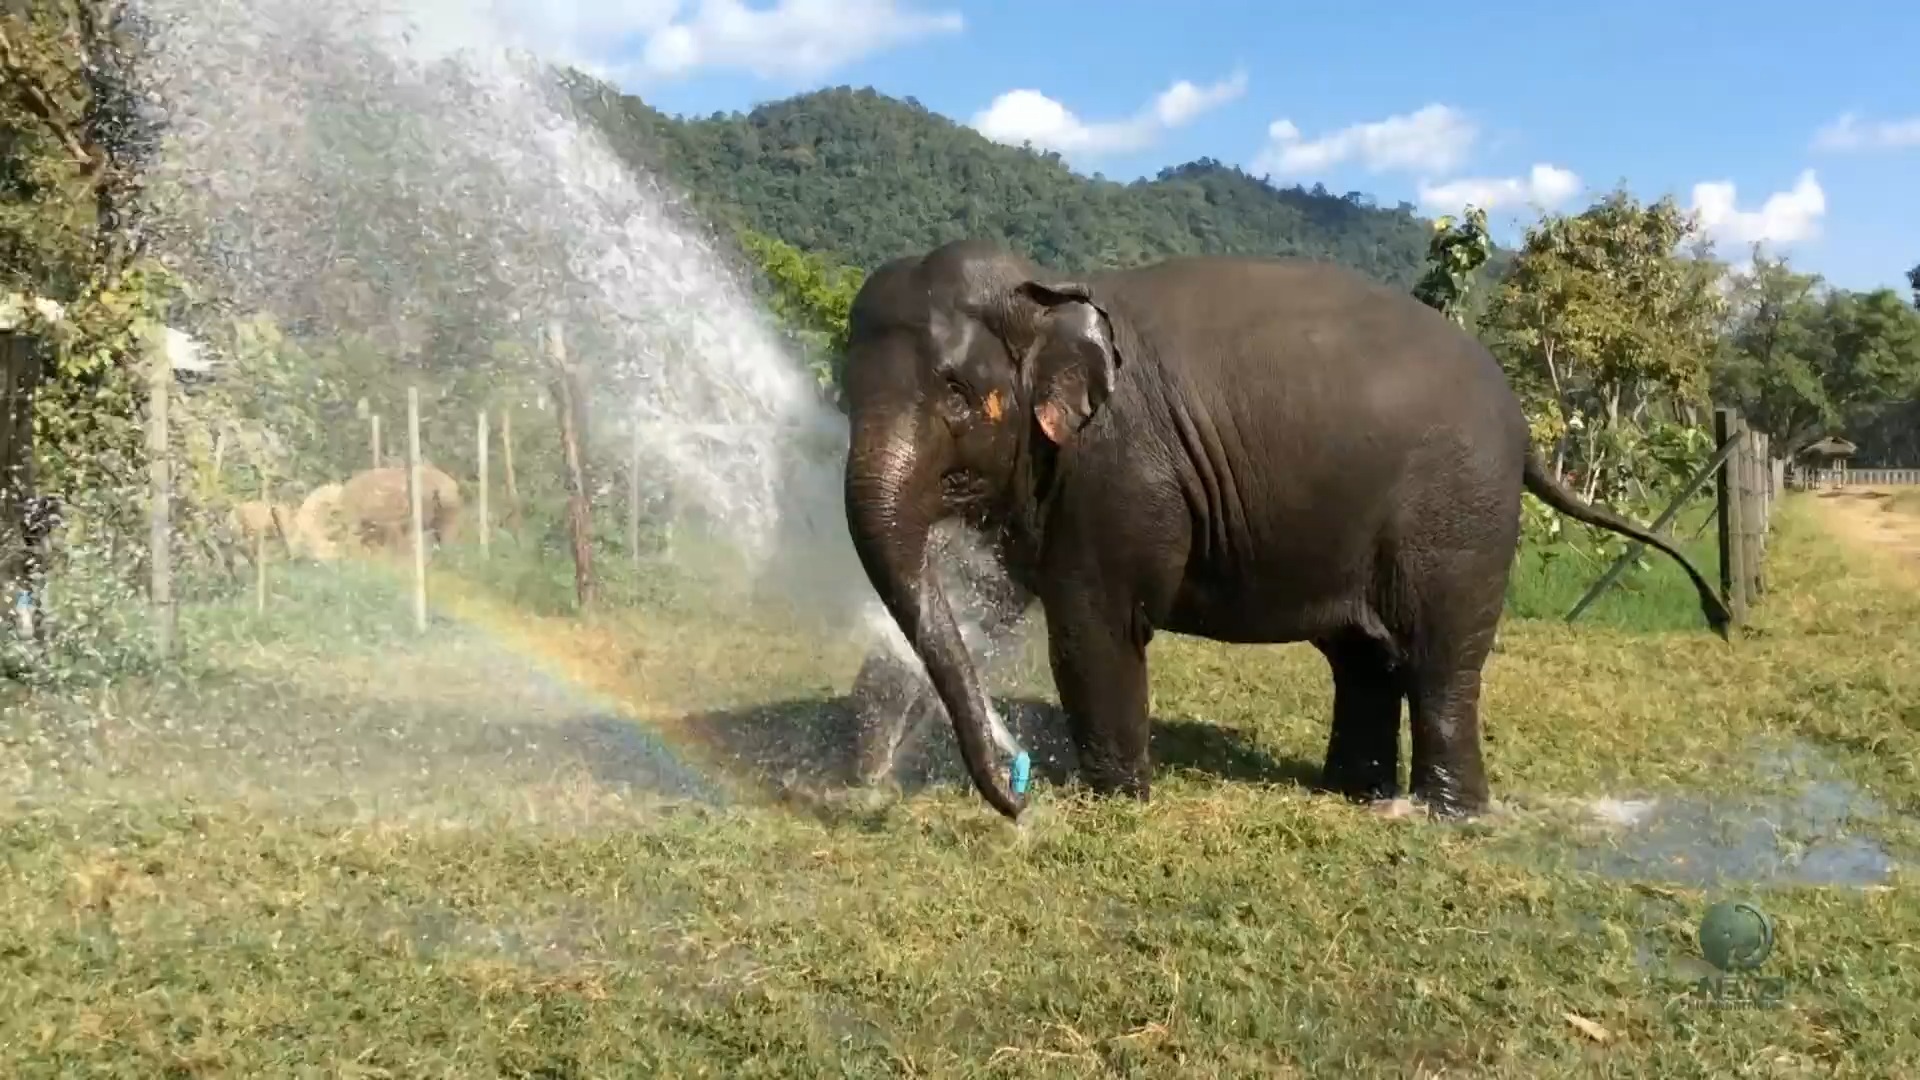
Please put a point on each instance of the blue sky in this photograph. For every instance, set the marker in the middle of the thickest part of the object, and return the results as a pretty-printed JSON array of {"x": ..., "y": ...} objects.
[{"x": 1812, "y": 115}]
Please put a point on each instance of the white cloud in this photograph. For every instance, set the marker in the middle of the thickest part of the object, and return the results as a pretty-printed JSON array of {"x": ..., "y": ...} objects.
[
  {"x": 1849, "y": 133},
  {"x": 1545, "y": 186},
  {"x": 1023, "y": 116},
  {"x": 1433, "y": 139},
  {"x": 666, "y": 39},
  {"x": 1785, "y": 217}
]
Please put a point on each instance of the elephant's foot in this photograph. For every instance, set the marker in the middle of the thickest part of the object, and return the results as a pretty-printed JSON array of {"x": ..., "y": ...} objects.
[
  {"x": 1453, "y": 802},
  {"x": 1105, "y": 776},
  {"x": 1361, "y": 779},
  {"x": 1404, "y": 807}
]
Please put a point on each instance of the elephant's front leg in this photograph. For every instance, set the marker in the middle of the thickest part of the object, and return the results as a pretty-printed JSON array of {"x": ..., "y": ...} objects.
[{"x": 1099, "y": 659}]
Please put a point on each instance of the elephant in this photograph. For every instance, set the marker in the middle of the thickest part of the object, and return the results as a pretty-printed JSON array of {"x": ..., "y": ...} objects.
[
  {"x": 376, "y": 507},
  {"x": 251, "y": 521},
  {"x": 1251, "y": 450},
  {"x": 318, "y": 523}
]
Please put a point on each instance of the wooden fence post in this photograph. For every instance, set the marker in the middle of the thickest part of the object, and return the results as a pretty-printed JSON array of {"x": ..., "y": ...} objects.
[
  {"x": 159, "y": 491},
  {"x": 373, "y": 423},
  {"x": 417, "y": 509},
  {"x": 1753, "y": 514},
  {"x": 566, "y": 394},
  {"x": 1733, "y": 577},
  {"x": 21, "y": 356},
  {"x": 480, "y": 436},
  {"x": 260, "y": 549},
  {"x": 633, "y": 499},
  {"x": 506, "y": 462}
]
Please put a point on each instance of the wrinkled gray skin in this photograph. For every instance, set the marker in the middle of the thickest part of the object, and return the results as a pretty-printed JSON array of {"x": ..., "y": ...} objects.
[{"x": 1246, "y": 450}]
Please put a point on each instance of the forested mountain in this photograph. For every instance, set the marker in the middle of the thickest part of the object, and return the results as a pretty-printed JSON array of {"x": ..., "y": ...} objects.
[{"x": 864, "y": 177}]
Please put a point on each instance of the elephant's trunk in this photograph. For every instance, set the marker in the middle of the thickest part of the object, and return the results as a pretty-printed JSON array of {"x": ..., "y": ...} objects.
[{"x": 893, "y": 500}]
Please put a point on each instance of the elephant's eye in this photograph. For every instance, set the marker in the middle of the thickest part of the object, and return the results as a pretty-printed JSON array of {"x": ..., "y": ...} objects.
[{"x": 959, "y": 390}]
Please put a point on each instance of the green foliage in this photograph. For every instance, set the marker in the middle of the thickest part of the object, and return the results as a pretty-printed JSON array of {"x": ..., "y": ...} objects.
[
  {"x": 1607, "y": 326},
  {"x": 862, "y": 178},
  {"x": 811, "y": 296},
  {"x": 1453, "y": 255},
  {"x": 1913, "y": 282},
  {"x": 1801, "y": 359}
]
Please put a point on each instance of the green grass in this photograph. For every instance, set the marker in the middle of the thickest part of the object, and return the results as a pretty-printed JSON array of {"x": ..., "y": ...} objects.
[
  {"x": 1654, "y": 595},
  {"x": 328, "y": 848}
]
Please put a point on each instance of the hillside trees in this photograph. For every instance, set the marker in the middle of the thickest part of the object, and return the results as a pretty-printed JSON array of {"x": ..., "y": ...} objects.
[
  {"x": 1803, "y": 360},
  {"x": 858, "y": 177}
]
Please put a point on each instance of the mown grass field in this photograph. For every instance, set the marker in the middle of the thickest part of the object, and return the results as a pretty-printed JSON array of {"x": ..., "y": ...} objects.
[{"x": 535, "y": 846}]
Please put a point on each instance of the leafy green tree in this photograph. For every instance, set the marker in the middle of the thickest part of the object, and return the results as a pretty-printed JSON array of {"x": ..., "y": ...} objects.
[
  {"x": 811, "y": 296},
  {"x": 1453, "y": 255},
  {"x": 1802, "y": 360},
  {"x": 1775, "y": 351},
  {"x": 1609, "y": 328},
  {"x": 75, "y": 147}
]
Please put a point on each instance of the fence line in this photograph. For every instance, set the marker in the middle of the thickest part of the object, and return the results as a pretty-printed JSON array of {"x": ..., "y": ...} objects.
[{"x": 1806, "y": 479}]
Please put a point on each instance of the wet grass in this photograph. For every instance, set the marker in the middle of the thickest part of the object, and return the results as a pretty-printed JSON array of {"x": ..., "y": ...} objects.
[{"x": 479, "y": 893}]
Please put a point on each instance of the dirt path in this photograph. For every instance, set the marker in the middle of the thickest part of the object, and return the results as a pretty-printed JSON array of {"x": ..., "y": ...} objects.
[{"x": 1888, "y": 521}]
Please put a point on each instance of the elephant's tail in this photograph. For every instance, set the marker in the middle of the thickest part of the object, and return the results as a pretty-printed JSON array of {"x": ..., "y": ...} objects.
[{"x": 1551, "y": 491}]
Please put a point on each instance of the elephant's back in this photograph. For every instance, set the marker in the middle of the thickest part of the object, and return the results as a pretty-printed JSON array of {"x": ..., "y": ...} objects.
[
  {"x": 1264, "y": 339},
  {"x": 1314, "y": 399}
]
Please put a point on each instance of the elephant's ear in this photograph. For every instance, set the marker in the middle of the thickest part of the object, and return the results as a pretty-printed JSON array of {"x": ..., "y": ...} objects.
[{"x": 1069, "y": 368}]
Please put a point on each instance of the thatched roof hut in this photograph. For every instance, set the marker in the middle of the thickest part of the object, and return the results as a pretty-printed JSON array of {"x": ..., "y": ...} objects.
[{"x": 1829, "y": 450}]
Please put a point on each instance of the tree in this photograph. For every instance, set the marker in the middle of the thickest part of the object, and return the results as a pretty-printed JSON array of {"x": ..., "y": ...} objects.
[
  {"x": 861, "y": 178},
  {"x": 1774, "y": 352},
  {"x": 1454, "y": 253},
  {"x": 74, "y": 145},
  {"x": 1802, "y": 359},
  {"x": 1913, "y": 282},
  {"x": 811, "y": 296},
  {"x": 1609, "y": 327}
]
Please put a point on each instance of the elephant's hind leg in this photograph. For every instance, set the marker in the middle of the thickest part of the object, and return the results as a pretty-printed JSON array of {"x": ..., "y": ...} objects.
[
  {"x": 1456, "y": 633},
  {"x": 1363, "y": 751},
  {"x": 1449, "y": 775}
]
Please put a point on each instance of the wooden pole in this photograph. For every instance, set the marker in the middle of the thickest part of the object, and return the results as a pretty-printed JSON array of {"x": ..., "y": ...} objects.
[
  {"x": 260, "y": 552},
  {"x": 159, "y": 491},
  {"x": 633, "y": 499},
  {"x": 506, "y": 461},
  {"x": 480, "y": 444},
  {"x": 418, "y": 511},
  {"x": 21, "y": 358},
  {"x": 579, "y": 516},
  {"x": 1733, "y": 580},
  {"x": 373, "y": 422}
]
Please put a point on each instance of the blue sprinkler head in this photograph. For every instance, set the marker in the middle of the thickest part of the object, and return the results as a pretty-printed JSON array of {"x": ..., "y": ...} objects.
[{"x": 1019, "y": 774}]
